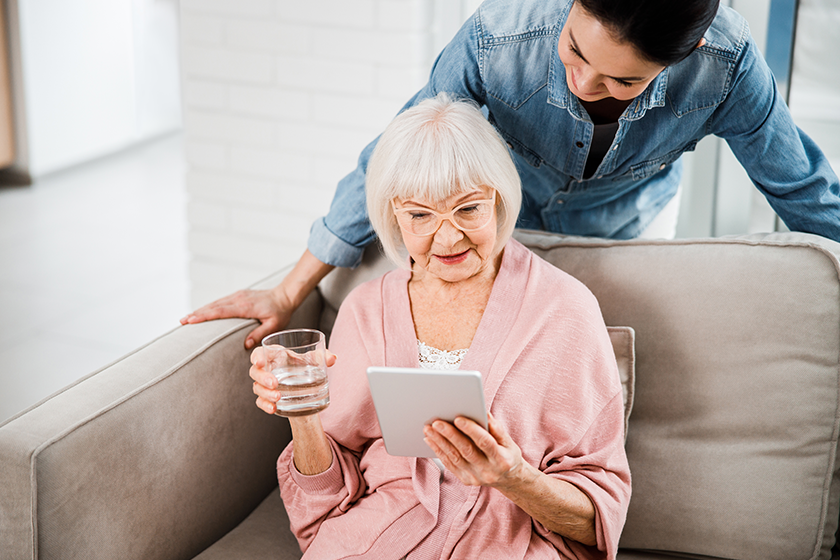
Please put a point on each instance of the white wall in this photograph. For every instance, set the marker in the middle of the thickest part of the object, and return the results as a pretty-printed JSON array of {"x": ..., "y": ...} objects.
[
  {"x": 98, "y": 76},
  {"x": 280, "y": 96}
]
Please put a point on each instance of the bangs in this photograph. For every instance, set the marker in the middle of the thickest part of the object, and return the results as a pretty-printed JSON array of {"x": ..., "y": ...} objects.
[{"x": 435, "y": 164}]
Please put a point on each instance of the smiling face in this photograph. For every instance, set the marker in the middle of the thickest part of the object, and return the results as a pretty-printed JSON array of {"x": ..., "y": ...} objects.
[
  {"x": 450, "y": 254},
  {"x": 597, "y": 66}
]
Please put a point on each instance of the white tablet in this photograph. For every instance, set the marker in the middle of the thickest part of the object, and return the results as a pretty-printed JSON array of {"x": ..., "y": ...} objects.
[{"x": 407, "y": 399}]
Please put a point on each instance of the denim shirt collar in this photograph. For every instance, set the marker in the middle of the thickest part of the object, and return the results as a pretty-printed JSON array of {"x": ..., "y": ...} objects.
[{"x": 560, "y": 96}]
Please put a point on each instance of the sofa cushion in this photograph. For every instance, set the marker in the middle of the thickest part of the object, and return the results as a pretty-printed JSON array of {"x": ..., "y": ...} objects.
[
  {"x": 734, "y": 429},
  {"x": 264, "y": 535}
]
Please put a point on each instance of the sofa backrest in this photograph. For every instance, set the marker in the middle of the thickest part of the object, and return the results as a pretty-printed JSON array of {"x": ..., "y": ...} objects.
[{"x": 734, "y": 430}]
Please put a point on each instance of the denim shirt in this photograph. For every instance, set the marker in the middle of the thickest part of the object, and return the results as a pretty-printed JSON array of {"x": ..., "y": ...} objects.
[{"x": 506, "y": 59}]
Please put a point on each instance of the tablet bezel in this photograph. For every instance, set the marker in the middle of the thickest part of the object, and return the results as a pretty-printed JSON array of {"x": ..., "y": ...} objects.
[{"x": 406, "y": 399}]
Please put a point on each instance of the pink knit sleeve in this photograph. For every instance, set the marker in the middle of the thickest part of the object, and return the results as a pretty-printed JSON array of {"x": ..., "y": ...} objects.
[
  {"x": 310, "y": 500},
  {"x": 595, "y": 462},
  {"x": 598, "y": 467},
  {"x": 350, "y": 425}
]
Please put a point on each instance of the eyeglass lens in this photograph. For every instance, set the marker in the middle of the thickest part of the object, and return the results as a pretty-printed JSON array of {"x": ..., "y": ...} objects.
[{"x": 467, "y": 217}]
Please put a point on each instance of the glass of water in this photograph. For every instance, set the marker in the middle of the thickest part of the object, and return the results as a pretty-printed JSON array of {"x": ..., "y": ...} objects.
[{"x": 297, "y": 358}]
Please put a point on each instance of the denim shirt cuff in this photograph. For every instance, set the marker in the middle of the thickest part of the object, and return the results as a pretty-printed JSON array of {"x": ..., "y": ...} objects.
[{"x": 330, "y": 249}]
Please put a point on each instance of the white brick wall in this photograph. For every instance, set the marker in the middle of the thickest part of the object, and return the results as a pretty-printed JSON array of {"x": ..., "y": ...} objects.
[{"x": 279, "y": 98}]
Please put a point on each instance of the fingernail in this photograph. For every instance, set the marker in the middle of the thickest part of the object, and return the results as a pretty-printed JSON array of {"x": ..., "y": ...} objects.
[{"x": 249, "y": 343}]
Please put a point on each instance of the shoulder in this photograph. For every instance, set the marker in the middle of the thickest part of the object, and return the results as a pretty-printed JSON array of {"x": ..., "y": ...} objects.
[
  {"x": 709, "y": 74},
  {"x": 727, "y": 36},
  {"x": 503, "y": 19}
]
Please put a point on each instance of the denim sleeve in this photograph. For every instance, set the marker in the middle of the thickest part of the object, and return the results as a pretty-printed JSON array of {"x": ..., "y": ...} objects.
[
  {"x": 781, "y": 160},
  {"x": 340, "y": 237}
]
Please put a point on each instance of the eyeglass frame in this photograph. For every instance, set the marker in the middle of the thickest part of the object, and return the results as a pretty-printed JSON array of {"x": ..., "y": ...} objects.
[{"x": 450, "y": 216}]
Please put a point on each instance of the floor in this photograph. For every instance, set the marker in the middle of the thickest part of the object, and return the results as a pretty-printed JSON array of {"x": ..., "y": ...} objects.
[{"x": 93, "y": 264}]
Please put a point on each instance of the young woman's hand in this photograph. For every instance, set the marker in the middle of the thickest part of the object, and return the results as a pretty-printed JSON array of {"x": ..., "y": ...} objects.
[{"x": 270, "y": 307}]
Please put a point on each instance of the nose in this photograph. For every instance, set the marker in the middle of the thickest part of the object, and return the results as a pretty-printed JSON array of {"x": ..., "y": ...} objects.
[
  {"x": 587, "y": 79},
  {"x": 447, "y": 234}
]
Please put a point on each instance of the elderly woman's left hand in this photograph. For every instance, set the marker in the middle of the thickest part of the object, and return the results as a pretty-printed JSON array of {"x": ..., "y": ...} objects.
[{"x": 478, "y": 457}]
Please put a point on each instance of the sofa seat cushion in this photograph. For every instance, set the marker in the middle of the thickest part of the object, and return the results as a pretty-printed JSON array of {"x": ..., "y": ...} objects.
[{"x": 263, "y": 535}]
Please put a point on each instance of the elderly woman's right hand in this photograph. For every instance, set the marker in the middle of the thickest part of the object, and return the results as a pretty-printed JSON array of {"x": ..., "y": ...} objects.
[
  {"x": 312, "y": 452},
  {"x": 265, "y": 384}
]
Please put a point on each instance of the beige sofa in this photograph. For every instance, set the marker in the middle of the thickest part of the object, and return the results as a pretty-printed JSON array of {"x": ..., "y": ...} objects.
[{"x": 732, "y": 438}]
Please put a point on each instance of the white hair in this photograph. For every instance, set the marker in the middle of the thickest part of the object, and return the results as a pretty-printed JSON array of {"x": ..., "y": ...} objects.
[{"x": 436, "y": 149}]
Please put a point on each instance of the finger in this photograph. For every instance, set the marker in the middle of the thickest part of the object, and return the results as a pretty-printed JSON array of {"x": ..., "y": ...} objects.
[
  {"x": 265, "y": 406},
  {"x": 265, "y": 393},
  {"x": 457, "y": 439},
  {"x": 263, "y": 330},
  {"x": 497, "y": 430},
  {"x": 219, "y": 309},
  {"x": 480, "y": 437},
  {"x": 450, "y": 458},
  {"x": 444, "y": 450},
  {"x": 258, "y": 357},
  {"x": 443, "y": 447},
  {"x": 263, "y": 377},
  {"x": 331, "y": 358}
]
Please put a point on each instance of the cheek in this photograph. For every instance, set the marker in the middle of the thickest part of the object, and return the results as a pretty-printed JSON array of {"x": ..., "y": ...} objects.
[
  {"x": 485, "y": 241},
  {"x": 417, "y": 247}
]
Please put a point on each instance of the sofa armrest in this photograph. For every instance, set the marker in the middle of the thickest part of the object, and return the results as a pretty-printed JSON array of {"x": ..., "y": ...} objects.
[{"x": 155, "y": 456}]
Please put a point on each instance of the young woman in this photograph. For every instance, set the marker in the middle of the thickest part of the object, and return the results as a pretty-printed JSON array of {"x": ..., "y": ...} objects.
[{"x": 597, "y": 100}]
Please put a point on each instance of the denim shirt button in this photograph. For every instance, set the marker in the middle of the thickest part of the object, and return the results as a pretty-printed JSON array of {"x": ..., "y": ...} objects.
[
  {"x": 559, "y": 202},
  {"x": 661, "y": 167},
  {"x": 510, "y": 145},
  {"x": 615, "y": 147},
  {"x": 579, "y": 144}
]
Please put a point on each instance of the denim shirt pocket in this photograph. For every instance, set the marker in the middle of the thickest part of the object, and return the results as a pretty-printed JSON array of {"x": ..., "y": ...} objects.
[
  {"x": 651, "y": 167},
  {"x": 515, "y": 67},
  {"x": 531, "y": 157}
]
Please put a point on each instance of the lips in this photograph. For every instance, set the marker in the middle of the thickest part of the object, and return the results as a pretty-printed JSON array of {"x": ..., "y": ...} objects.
[{"x": 453, "y": 259}]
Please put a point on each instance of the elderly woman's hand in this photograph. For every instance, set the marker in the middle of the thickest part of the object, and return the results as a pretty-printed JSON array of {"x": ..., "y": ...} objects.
[
  {"x": 478, "y": 457},
  {"x": 265, "y": 384},
  {"x": 491, "y": 458}
]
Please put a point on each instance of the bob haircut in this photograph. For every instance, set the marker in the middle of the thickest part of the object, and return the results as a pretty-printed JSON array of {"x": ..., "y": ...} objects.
[
  {"x": 663, "y": 31},
  {"x": 439, "y": 148}
]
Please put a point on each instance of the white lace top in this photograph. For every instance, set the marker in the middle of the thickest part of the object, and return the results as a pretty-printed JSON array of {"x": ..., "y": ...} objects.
[{"x": 432, "y": 358}]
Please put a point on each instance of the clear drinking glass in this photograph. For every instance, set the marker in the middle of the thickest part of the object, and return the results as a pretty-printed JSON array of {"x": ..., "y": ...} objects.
[{"x": 297, "y": 358}]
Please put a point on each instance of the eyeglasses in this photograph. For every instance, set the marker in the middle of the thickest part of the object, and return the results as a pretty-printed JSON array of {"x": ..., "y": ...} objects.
[{"x": 467, "y": 217}]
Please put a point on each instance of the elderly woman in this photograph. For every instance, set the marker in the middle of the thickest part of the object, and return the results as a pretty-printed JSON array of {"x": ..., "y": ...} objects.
[{"x": 549, "y": 478}]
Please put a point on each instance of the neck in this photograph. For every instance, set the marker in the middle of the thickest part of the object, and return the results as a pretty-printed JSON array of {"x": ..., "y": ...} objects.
[{"x": 607, "y": 110}]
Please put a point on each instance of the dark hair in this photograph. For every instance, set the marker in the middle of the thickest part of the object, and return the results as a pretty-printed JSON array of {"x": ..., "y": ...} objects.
[{"x": 663, "y": 31}]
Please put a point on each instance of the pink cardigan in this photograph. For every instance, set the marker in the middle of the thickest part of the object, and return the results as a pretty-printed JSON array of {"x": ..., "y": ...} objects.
[{"x": 550, "y": 378}]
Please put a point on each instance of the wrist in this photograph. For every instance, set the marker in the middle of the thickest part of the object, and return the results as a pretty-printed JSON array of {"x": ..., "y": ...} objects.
[
  {"x": 301, "y": 280},
  {"x": 519, "y": 477}
]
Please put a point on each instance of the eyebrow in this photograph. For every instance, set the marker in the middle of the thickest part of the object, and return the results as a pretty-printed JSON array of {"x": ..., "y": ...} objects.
[
  {"x": 583, "y": 58},
  {"x": 464, "y": 198}
]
